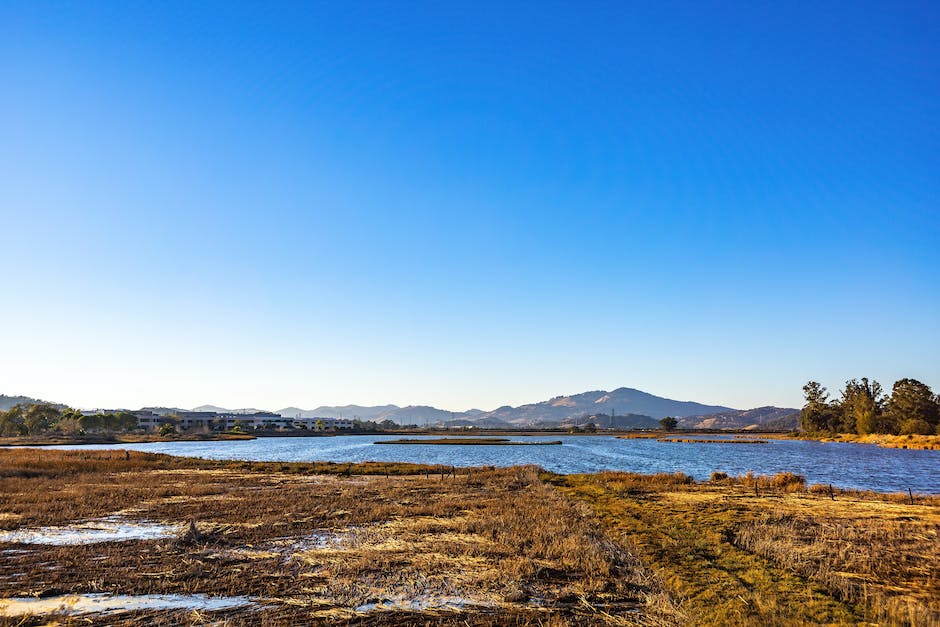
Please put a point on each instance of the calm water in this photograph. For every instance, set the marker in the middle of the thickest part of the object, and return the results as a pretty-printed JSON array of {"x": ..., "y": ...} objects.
[{"x": 860, "y": 466}]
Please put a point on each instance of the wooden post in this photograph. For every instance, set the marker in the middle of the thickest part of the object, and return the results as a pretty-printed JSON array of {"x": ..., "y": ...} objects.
[
  {"x": 911, "y": 494},
  {"x": 831, "y": 495}
]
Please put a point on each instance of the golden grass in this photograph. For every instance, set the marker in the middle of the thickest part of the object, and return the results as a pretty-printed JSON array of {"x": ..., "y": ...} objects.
[
  {"x": 518, "y": 545},
  {"x": 921, "y": 442},
  {"x": 516, "y": 549},
  {"x": 713, "y": 441},
  {"x": 785, "y": 556}
]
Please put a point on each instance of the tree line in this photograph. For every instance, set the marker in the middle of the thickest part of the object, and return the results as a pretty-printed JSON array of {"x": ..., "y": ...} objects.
[
  {"x": 43, "y": 418},
  {"x": 863, "y": 408}
]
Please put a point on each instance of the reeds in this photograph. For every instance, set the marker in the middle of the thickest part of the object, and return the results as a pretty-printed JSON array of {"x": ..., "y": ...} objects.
[{"x": 491, "y": 536}]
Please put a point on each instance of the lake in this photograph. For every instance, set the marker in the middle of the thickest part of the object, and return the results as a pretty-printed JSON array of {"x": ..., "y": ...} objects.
[{"x": 858, "y": 466}]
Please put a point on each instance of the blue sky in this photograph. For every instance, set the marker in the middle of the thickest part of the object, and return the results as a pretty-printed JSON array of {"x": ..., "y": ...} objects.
[{"x": 466, "y": 204}]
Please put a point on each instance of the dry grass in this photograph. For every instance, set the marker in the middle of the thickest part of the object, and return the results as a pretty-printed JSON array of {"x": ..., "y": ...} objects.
[
  {"x": 924, "y": 442},
  {"x": 889, "y": 566},
  {"x": 515, "y": 549},
  {"x": 518, "y": 546},
  {"x": 783, "y": 556},
  {"x": 735, "y": 440}
]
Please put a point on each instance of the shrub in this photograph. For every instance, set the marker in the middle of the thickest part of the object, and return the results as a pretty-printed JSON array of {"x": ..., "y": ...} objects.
[{"x": 916, "y": 426}]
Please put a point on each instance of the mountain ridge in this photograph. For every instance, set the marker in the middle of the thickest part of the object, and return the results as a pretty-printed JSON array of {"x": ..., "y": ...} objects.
[{"x": 626, "y": 406}]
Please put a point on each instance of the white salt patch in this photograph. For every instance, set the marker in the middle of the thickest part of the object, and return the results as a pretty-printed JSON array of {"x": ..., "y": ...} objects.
[
  {"x": 420, "y": 604},
  {"x": 110, "y": 529},
  {"x": 99, "y": 603}
]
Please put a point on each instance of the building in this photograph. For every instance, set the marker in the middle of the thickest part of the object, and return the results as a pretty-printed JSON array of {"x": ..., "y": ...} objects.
[
  {"x": 323, "y": 424},
  {"x": 216, "y": 421}
]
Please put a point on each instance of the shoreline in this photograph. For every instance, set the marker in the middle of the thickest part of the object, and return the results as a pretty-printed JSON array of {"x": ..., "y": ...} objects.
[{"x": 910, "y": 442}]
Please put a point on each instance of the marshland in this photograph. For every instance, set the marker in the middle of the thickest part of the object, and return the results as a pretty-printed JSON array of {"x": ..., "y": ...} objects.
[{"x": 381, "y": 543}]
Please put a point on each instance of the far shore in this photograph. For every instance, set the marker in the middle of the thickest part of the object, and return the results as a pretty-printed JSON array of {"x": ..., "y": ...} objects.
[
  {"x": 458, "y": 441},
  {"x": 918, "y": 442}
]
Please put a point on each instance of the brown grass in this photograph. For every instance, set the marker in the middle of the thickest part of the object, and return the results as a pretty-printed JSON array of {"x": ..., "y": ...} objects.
[
  {"x": 713, "y": 441},
  {"x": 782, "y": 555},
  {"x": 521, "y": 546},
  {"x": 923, "y": 442},
  {"x": 516, "y": 549}
]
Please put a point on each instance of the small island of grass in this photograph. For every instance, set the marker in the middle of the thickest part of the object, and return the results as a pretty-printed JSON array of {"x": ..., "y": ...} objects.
[
  {"x": 714, "y": 440},
  {"x": 466, "y": 441}
]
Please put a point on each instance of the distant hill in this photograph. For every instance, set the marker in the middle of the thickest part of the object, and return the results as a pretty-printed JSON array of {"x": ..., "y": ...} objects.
[
  {"x": 632, "y": 409},
  {"x": 773, "y": 418},
  {"x": 790, "y": 422},
  {"x": 223, "y": 410},
  {"x": 606, "y": 421},
  {"x": 622, "y": 400},
  {"x": 6, "y": 402},
  {"x": 343, "y": 411}
]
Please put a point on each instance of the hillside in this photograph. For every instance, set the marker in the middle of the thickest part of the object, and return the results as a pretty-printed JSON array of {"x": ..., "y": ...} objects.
[
  {"x": 622, "y": 401},
  {"x": 607, "y": 421},
  {"x": 6, "y": 402},
  {"x": 342, "y": 411},
  {"x": 776, "y": 418}
]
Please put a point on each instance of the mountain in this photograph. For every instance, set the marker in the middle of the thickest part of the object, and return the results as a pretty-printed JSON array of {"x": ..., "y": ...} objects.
[
  {"x": 606, "y": 421},
  {"x": 622, "y": 400},
  {"x": 223, "y": 410},
  {"x": 631, "y": 409},
  {"x": 343, "y": 411},
  {"x": 163, "y": 410},
  {"x": 418, "y": 415},
  {"x": 6, "y": 402},
  {"x": 775, "y": 418}
]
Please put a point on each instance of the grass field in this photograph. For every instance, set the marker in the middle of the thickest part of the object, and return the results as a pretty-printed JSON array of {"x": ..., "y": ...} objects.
[{"x": 382, "y": 544}]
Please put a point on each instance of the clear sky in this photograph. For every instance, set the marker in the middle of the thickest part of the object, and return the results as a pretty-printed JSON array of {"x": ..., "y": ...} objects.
[{"x": 466, "y": 204}]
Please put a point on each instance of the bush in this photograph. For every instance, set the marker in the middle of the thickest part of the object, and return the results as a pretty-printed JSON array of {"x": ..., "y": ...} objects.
[
  {"x": 719, "y": 477},
  {"x": 916, "y": 426},
  {"x": 788, "y": 481}
]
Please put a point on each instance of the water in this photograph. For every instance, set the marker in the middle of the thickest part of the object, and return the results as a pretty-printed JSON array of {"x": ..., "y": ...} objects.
[
  {"x": 854, "y": 466},
  {"x": 111, "y": 529},
  {"x": 422, "y": 603},
  {"x": 94, "y": 603}
]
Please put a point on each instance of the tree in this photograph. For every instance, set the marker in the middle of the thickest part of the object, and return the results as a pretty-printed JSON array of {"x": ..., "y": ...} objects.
[
  {"x": 861, "y": 406},
  {"x": 668, "y": 423},
  {"x": 39, "y": 418},
  {"x": 915, "y": 426},
  {"x": 92, "y": 423},
  {"x": 590, "y": 428},
  {"x": 817, "y": 413},
  {"x": 912, "y": 401},
  {"x": 124, "y": 421},
  {"x": 12, "y": 422},
  {"x": 70, "y": 422}
]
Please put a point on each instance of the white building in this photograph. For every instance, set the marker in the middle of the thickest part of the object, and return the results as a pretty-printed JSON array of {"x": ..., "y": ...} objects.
[{"x": 322, "y": 424}]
